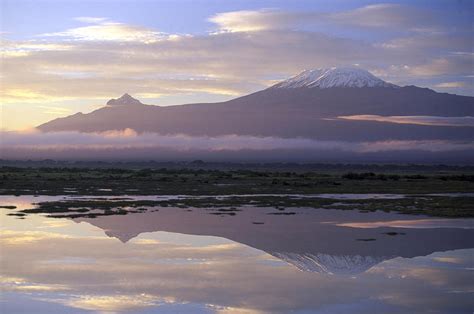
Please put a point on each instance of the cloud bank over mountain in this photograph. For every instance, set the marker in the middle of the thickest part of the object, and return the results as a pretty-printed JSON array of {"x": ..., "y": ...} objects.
[
  {"x": 420, "y": 120},
  {"x": 128, "y": 144}
]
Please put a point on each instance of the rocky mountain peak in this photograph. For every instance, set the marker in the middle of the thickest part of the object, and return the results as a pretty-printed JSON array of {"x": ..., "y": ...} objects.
[{"x": 124, "y": 100}]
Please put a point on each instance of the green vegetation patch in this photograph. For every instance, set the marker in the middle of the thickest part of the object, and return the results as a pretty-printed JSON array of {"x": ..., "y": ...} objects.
[{"x": 440, "y": 206}]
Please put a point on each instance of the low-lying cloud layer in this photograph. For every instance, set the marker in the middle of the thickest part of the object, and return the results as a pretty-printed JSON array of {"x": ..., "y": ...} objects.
[
  {"x": 127, "y": 144},
  {"x": 420, "y": 120}
]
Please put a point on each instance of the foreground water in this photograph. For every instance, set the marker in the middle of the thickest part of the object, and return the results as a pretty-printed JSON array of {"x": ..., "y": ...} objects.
[{"x": 169, "y": 260}]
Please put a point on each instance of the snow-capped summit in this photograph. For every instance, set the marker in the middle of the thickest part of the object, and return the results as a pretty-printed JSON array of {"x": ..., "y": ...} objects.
[
  {"x": 125, "y": 100},
  {"x": 330, "y": 264},
  {"x": 333, "y": 77}
]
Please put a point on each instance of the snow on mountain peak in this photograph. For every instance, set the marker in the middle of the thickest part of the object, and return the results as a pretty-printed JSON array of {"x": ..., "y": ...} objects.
[
  {"x": 330, "y": 264},
  {"x": 124, "y": 100},
  {"x": 333, "y": 77}
]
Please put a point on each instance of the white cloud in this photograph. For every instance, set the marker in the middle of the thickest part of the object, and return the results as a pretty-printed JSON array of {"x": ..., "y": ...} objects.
[
  {"x": 384, "y": 15},
  {"x": 260, "y": 20},
  {"x": 420, "y": 120},
  {"x": 109, "y": 31},
  {"x": 113, "y": 303},
  {"x": 55, "y": 110},
  {"x": 90, "y": 20},
  {"x": 371, "y": 16},
  {"x": 451, "y": 84},
  {"x": 128, "y": 143},
  {"x": 224, "y": 64},
  {"x": 448, "y": 65},
  {"x": 12, "y": 49},
  {"x": 426, "y": 43}
]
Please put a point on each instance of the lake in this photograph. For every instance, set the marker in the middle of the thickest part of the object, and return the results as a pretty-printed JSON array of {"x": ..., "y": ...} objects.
[{"x": 249, "y": 260}]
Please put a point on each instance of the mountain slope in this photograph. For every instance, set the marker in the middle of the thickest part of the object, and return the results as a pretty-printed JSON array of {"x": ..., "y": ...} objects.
[{"x": 309, "y": 111}]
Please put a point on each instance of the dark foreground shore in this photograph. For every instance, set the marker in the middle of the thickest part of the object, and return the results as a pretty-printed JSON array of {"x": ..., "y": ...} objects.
[{"x": 444, "y": 192}]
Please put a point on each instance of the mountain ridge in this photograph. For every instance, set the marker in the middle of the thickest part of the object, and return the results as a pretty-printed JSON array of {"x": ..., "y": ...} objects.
[{"x": 286, "y": 113}]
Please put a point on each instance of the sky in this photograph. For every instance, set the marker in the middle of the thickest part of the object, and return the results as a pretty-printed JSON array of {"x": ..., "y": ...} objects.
[{"x": 63, "y": 57}]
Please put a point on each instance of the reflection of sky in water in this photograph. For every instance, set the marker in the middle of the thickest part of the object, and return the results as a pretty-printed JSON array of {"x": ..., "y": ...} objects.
[{"x": 61, "y": 266}]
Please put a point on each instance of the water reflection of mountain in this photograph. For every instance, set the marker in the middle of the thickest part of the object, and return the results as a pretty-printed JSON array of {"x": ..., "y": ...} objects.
[
  {"x": 305, "y": 240},
  {"x": 330, "y": 264}
]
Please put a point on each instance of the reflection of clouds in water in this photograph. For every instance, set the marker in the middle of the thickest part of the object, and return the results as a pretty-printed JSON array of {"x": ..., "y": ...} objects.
[
  {"x": 115, "y": 303},
  {"x": 449, "y": 285},
  {"x": 8, "y": 237},
  {"x": 227, "y": 277},
  {"x": 55, "y": 224},
  {"x": 20, "y": 284},
  {"x": 94, "y": 272}
]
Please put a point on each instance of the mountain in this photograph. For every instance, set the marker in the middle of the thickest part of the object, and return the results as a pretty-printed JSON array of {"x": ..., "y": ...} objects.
[
  {"x": 310, "y": 244},
  {"x": 309, "y": 105}
]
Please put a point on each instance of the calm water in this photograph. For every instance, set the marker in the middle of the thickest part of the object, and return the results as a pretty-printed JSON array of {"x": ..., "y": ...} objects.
[{"x": 189, "y": 261}]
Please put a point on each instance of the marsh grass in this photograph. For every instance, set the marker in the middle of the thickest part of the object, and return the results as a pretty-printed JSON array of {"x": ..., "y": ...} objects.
[
  {"x": 236, "y": 188},
  {"x": 86, "y": 181}
]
